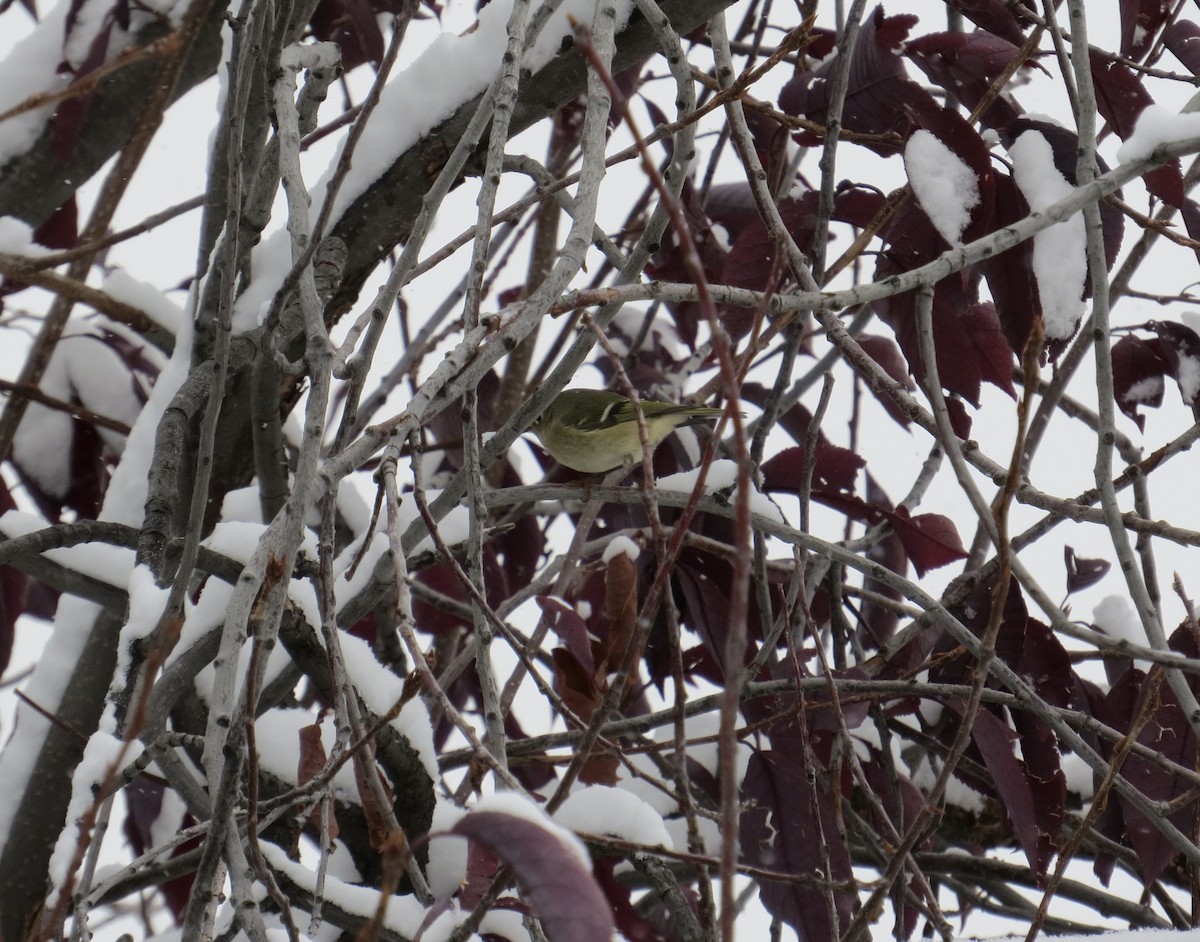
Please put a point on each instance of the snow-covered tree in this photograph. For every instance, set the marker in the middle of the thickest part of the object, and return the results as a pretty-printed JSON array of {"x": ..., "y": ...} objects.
[{"x": 287, "y": 596}]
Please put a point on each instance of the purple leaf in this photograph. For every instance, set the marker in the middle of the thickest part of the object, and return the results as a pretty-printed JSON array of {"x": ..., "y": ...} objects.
[
  {"x": 1140, "y": 21},
  {"x": 352, "y": 24},
  {"x": 1181, "y": 348},
  {"x": 992, "y": 17},
  {"x": 912, "y": 241},
  {"x": 631, "y": 924},
  {"x": 563, "y": 892},
  {"x": 1169, "y": 734},
  {"x": 780, "y": 831},
  {"x": 956, "y": 133},
  {"x": 1138, "y": 370},
  {"x": 1120, "y": 95},
  {"x": 1182, "y": 38},
  {"x": 835, "y": 469},
  {"x": 994, "y": 740},
  {"x": 982, "y": 326},
  {"x": 1010, "y": 274},
  {"x": 61, "y": 229},
  {"x": 880, "y": 93},
  {"x": 965, "y": 65},
  {"x": 570, "y": 628},
  {"x": 795, "y": 421},
  {"x": 885, "y": 352},
  {"x": 930, "y": 540},
  {"x": 878, "y": 622},
  {"x": 1081, "y": 572}
]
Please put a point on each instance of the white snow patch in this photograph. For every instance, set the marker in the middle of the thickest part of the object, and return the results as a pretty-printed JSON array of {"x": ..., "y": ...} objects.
[
  {"x": 957, "y": 793},
  {"x": 30, "y": 68},
  {"x": 1117, "y": 618},
  {"x": 16, "y": 237},
  {"x": 381, "y": 690},
  {"x": 599, "y": 809},
  {"x": 451, "y": 71},
  {"x": 1145, "y": 390},
  {"x": 1189, "y": 378},
  {"x": 83, "y": 369},
  {"x": 1157, "y": 125},
  {"x": 945, "y": 187},
  {"x": 101, "y": 561},
  {"x": 147, "y": 602},
  {"x": 447, "y": 866},
  {"x": 721, "y": 476},
  {"x": 45, "y": 688},
  {"x": 1060, "y": 251},
  {"x": 619, "y": 545},
  {"x": 277, "y": 736},
  {"x": 121, "y": 286},
  {"x": 102, "y": 757},
  {"x": 403, "y": 915}
]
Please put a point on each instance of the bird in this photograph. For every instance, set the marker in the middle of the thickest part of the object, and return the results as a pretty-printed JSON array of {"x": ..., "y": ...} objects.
[{"x": 591, "y": 430}]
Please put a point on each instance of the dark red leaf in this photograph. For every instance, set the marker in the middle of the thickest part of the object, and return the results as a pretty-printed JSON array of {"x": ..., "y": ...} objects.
[
  {"x": 631, "y": 924},
  {"x": 993, "y": 17},
  {"x": 1138, "y": 370},
  {"x": 620, "y": 608},
  {"x": 668, "y": 263},
  {"x": 982, "y": 325},
  {"x": 569, "y": 628},
  {"x": 965, "y": 65},
  {"x": 732, "y": 205},
  {"x": 883, "y": 350},
  {"x": 1170, "y": 735},
  {"x": 1010, "y": 275},
  {"x": 1182, "y": 37},
  {"x": 61, "y": 229},
  {"x": 563, "y": 892},
  {"x": 1081, "y": 572},
  {"x": 957, "y": 134},
  {"x": 995, "y": 742},
  {"x": 1190, "y": 211},
  {"x": 751, "y": 262},
  {"x": 144, "y": 797},
  {"x": 878, "y": 622},
  {"x": 960, "y": 419},
  {"x": 1120, "y": 95},
  {"x": 1181, "y": 347},
  {"x": 835, "y": 469},
  {"x": 29, "y": 5},
  {"x": 1140, "y": 22},
  {"x": 1166, "y": 182},
  {"x": 930, "y": 540},
  {"x": 533, "y": 775},
  {"x": 352, "y": 24},
  {"x": 1047, "y": 783},
  {"x": 482, "y": 866},
  {"x": 795, "y": 421},
  {"x": 912, "y": 241},
  {"x": 780, "y": 831},
  {"x": 880, "y": 91}
]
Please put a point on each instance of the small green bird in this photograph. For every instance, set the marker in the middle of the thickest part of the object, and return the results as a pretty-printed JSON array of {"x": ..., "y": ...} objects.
[{"x": 591, "y": 431}]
